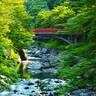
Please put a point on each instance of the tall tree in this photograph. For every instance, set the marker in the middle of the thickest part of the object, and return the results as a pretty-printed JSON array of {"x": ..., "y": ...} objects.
[
  {"x": 20, "y": 30},
  {"x": 34, "y": 7},
  {"x": 54, "y": 17},
  {"x": 84, "y": 20}
]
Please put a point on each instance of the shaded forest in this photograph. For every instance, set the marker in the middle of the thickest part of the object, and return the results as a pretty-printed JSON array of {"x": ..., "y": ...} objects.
[{"x": 19, "y": 17}]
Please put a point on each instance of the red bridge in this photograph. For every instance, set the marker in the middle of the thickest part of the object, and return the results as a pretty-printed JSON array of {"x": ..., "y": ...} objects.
[
  {"x": 59, "y": 34},
  {"x": 47, "y": 30}
]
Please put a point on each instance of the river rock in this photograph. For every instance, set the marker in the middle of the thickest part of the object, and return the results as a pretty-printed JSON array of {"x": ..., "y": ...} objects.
[
  {"x": 44, "y": 50},
  {"x": 50, "y": 70},
  {"x": 32, "y": 87},
  {"x": 83, "y": 92},
  {"x": 4, "y": 93},
  {"x": 35, "y": 65},
  {"x": 33, "y": 59}
]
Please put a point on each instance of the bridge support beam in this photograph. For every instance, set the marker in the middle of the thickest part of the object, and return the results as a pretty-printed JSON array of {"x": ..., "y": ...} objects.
[{"x": 68, "y": 38}]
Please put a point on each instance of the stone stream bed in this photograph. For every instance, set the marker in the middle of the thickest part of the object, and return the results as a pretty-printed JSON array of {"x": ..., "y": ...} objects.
[{"x": 42, "y": 66}]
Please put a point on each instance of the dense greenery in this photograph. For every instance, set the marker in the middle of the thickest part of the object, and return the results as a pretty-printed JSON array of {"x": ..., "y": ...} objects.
[
  {"x": 55, "y": 17},
  {"x": 14, "y": 35},
  {"x": 79, "y": 66},
  {"x": 53, "y": 3},
  {"x": 34, "y": 7}
]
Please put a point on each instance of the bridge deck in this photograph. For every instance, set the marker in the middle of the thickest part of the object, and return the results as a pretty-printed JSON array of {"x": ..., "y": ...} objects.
[
  {"x": 58, "y": 33},
  {"x": 66, "y": 37}
]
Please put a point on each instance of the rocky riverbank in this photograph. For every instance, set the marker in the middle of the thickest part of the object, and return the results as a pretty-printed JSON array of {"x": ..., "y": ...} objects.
[
  {"x": 34, "y": 87},
  {"x": 42, "y": 61},
  {"x": 42, "y": 66}
]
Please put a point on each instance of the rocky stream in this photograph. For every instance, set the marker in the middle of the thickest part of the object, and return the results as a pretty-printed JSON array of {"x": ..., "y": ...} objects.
[{"x": 42, "y": 66}]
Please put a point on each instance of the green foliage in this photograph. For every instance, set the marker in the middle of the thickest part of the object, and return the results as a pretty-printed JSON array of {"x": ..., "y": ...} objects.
[
  {"x": 85, "y": 20},
  {"x": 14, "y": 34},
  {"x": 53, "y": 3},
  {"x": 20, "y": 39},
  {"x": 82, "y": 72},
  {"x": 79, "y": 69},
  {"x": 34, "y": 7},
  {"x": 7, "y": 66},
  {"x": 79, "y": 66},
  {"x": 55, "y": 17},
  {"x": 52, "y": 44},
  {"x": 27, "y": 75}
]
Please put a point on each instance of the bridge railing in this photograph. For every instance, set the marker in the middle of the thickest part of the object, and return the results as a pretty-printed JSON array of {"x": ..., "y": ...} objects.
[{"x": 46, "y": 30}]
